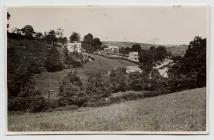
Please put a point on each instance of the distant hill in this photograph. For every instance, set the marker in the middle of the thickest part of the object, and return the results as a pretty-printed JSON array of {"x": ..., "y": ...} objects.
[{"x": 176, "y": 50}]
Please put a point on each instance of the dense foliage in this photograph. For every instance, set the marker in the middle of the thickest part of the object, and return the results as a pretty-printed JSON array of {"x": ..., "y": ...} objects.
[
  {"x": 149, "y": 58},
  {"x": 190, "y": 71},
  {"x": 22, "y": 94},
  {"x": 53, "y": 62},
  {"x": 71, "y": 90},
  {"x": 118, "y": 80},
  {"x": 91, "y": 44},
  {"x": 75, "y": 37},
  {"x": 97, "y": 87}
]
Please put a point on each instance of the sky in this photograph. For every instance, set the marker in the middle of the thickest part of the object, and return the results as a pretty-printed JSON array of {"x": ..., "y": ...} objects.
[{"x": 143, "y": 24}]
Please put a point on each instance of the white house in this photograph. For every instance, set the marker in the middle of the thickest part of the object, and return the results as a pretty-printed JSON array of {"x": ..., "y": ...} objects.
[
  {"x": 164, "y": 67},
  {"x": 112, "y": 49},
  {"x": 133, "y": 56},
  {"x": 74, "y": 47}
]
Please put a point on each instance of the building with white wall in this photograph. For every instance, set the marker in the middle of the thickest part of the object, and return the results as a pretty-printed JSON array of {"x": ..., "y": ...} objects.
[
  {"x": 74, "y": 47},
  {"x": 164, "y": 67},
  {"x": 112, "y": 49},
  {"x": 133, "y": 56}
]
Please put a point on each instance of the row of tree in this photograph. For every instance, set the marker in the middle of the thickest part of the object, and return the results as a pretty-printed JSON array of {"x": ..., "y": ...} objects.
[
  {"x": 134, "y": 48},
  {"x": 149, "y": 58}
]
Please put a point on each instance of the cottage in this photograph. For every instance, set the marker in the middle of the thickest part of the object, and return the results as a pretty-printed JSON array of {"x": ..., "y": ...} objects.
[
  {"x": 74, "y": 47},
  {"x": 112, "y": 49},
  {"x": 164, "y": 67},
  {"x": 133, "y": 56}
]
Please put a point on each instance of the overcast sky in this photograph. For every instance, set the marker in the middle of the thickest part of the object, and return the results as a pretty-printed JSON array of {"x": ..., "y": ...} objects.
[{"x": 159, "y": 25}]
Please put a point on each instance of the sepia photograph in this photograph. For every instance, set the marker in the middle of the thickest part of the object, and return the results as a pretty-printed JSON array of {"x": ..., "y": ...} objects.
[{"x": 107, "y": 69}]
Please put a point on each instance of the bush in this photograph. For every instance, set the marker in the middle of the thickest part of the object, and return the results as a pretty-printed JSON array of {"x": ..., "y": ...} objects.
[
  {"x": 118, "y": 80},
  {"x": 37, "y": 104},
  {"x": 97, "y": 87},
  {"x": 52, "y": 104},
  {"x": 71, "y": 91},
  {"x": 53, "y": 62},
  {"x": 17, "y": 104},
  {"x": 136, "y": 81},
  {"x": 74, "y": 100}
]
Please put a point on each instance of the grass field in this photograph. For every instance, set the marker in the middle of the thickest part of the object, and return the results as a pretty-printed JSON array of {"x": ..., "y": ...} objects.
[
  {"x": 181, "y": 111},
  {"x": 100, "y": 64}
]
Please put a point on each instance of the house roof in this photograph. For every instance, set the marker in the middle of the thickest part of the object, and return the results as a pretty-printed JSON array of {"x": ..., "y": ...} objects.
[{"x": 164, "y": 64}]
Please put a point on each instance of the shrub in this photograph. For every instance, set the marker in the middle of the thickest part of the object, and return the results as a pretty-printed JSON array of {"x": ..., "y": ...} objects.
[
  {"x": 97, "y": 87},
  {"x": 74, "y": 100},
  {"x": 52, "y": 104},
  {"x": 118, "y": 80},
  {"x": 136, "y": 81},
  {"x": 71, "y": 90},
  {"x": 53, "y": 62},
  {"x": 17, "y": 104},
  {"x": 37, "y": 103}
]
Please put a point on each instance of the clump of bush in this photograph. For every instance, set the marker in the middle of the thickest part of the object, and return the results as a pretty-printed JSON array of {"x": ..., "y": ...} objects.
[
  {"x": 118, "y": 80},
  {"x": 31, "y": 103},
  {"x": 71, "y": 91},
  {"x": 97, "y": 87},
  {"x": 53, "y": 62}
]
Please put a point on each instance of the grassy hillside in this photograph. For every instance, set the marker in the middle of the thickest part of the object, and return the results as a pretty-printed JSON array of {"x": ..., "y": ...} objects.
[
  {"x": 100, "y": 64},
  {"x": 181, "y": 111},
  {"x": 174, "y": 49}
]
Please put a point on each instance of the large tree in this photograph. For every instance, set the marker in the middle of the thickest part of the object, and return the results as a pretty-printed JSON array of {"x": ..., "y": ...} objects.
[
  {"x": 28, "y": 30},
  {"x": 87, "y": 43},
  {"x": 146, "y": 60},
  {"x": 136, "y": 48},
  {"x": 91, "y": 44},
  {"x": 190, "y": 71},
  {"x": 53, "y": 62},
  {"x": 161, "y": 53},
  {"x": 97, "y": 43},
  {"x": 50, "y": 37},
  {"x": 74, "y": 37}
]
